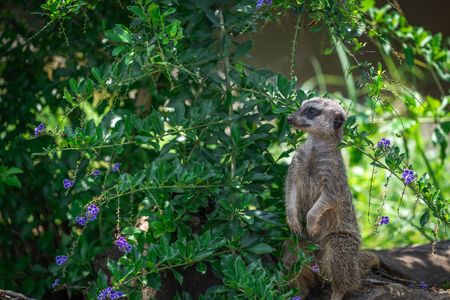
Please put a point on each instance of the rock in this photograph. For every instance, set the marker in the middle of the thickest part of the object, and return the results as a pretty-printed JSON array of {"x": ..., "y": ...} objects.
[
  {"x": 400, "y": 268},
  {"x": 417, "y": 263},
  {"x": 396, "y": 291}
]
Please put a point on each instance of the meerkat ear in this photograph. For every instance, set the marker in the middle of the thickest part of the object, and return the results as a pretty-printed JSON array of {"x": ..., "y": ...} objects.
[{"x": 339, "y": 120}]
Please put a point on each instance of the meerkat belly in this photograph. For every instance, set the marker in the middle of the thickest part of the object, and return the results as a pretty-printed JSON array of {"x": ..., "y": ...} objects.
[{"x": 309, "y": 190}]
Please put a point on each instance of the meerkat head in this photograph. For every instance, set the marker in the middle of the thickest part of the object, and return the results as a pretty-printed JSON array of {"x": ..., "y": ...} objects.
[{"x": 319, "y": 117}]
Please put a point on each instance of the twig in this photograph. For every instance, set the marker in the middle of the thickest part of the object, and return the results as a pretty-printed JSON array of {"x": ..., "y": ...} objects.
[
  {"x": 6, "y": 295},
  {"x": 376, "y": 281}
]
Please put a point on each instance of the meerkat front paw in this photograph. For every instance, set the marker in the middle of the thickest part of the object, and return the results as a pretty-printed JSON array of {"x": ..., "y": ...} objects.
[
  {"x": 294, "y": 226},
  {"x": 312, "y": 226},
  {"x": 313, "y": 229}
]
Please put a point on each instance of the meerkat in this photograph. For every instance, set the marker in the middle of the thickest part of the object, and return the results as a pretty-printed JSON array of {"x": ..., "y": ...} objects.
[{"x": 317, "y": 194}]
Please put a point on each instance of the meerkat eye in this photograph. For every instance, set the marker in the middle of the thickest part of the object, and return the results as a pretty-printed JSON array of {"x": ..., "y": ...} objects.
[{"x": 312, "y": 112}]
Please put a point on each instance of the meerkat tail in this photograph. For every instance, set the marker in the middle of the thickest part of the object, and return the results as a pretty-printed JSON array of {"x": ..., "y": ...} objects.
[
  {"x": 340, "y": 262},
  {"x": 368, "y": 261}
]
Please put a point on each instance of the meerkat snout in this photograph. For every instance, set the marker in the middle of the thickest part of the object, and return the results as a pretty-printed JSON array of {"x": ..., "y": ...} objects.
[{"x": 320, "y": 117}]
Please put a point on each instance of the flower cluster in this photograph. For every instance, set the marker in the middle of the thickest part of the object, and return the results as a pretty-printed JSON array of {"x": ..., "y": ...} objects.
[
  {"x": 81, "y": 220},
  {"x": 109, "y": 293},
  {"x": 56, "y": 283},
  {"x": 384, "y": 220},
  {"x": 296, "y": 298},
  {"x": 315, "y": 268},
  {"x": 39, "y": 129},
  {"x": 423, "y": 285},
  {"x": 91, "y": 212},
  {"x": 61, "y": 259},
  {"x": 384, "y": 143},
  {"x": 408, "y": 176},
  {"x": 116, "y": 167},
  {"x": 95, "y": 173},
  {"x": 260, "y": 3},
  {"x": 123, "y": 245},
  {"x": 67, "y": 183}
]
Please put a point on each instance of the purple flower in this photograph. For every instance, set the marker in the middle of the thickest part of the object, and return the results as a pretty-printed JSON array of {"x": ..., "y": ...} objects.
[
  {"x": 411, "y": 285},
  {"x": 384, "y": 143},
  {"x": 115, "y": 294},
  {"x": 123, "y": 245},
  {"x": 104, "y": 293},
  {"x": 260, "y": 3},
  {"x": 384, "y": 220},
  {"x": 315, "y": 268},
  {"x": 408, "y": 176},
  {"x": 423, "y": 285},
  {"x": 95, "y": 173},
  {"x": 67, "y": 183},
  {"x": 61, "y": 259},
  {"x": 110, "y": 293},
  {"x": 55, "y": 283},
  {"x": 91, "y": 212},
  {"x": 116, "y": 167},
  {"x": 296, "y": 298},
  {"x": 81, "y": 220},
  {"x": 39, "y": 129}
]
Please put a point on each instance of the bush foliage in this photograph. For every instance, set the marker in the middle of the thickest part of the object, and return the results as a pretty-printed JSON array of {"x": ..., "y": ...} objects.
[{"x": 151, "y": 114}]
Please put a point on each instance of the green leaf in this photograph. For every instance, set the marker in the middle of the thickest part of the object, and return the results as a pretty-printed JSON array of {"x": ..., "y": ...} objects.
[
  {"x": 409, "y": 56},
  {"x": 178, "y": 276},
  {"x": 138, "y": 11},
  {"x": 261, "y": 248},
  {"x": 211, "y": 16},
  {"x": 12, "y": 181},
  {"x": 68, "y": 97},
  {"x": 119, "y": 49},
  {"x": 424, "y": 218},
  {"x": 13, "y": 171},
  {"x": 156, "y": 121},
  {"x": 122, "y": 33},
  {"x": 96, "y": 73},
  {"x": 312, "y": 247},
  {"x": 89, "y": 87},
  {"x": 282, "y": 110},
  {"x": 154, "y": 280},
  {"x": 113, "y": 267},
  {"x": 243, "y": 49},
  {"x": 102, "y": 279},
  {"x": 74, "y": 86},
  {"x": 155, "y": 14},
  {"x": 142, "y": 139},
  {"x": 239, "y": 266},
  {"x": 283, "y": 85},
  {"x": 367, "y": 4},
  {"x": 236, "y": 133},
  {"x": 201, "y": 268}
]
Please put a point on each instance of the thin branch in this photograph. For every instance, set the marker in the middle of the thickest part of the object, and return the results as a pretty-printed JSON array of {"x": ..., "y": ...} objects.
[{"x": 6, "y": 294}]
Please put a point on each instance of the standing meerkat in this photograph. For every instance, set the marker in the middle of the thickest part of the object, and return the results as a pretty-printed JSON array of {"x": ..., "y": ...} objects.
[{"x": 317, "y": 192}]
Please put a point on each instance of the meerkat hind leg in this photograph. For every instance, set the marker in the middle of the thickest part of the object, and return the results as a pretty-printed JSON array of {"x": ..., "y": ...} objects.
[
  {"x": 306, "y": 280},
  {"x": 340, "y": 262},
  {"x": 337, "y": 295}
]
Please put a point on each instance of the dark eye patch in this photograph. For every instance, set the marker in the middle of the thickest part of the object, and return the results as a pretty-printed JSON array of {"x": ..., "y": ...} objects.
[{"x": 312, "y": 112}]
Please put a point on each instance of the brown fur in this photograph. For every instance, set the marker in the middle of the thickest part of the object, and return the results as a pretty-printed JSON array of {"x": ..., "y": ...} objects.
[{"x": 317, "y": 194}]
